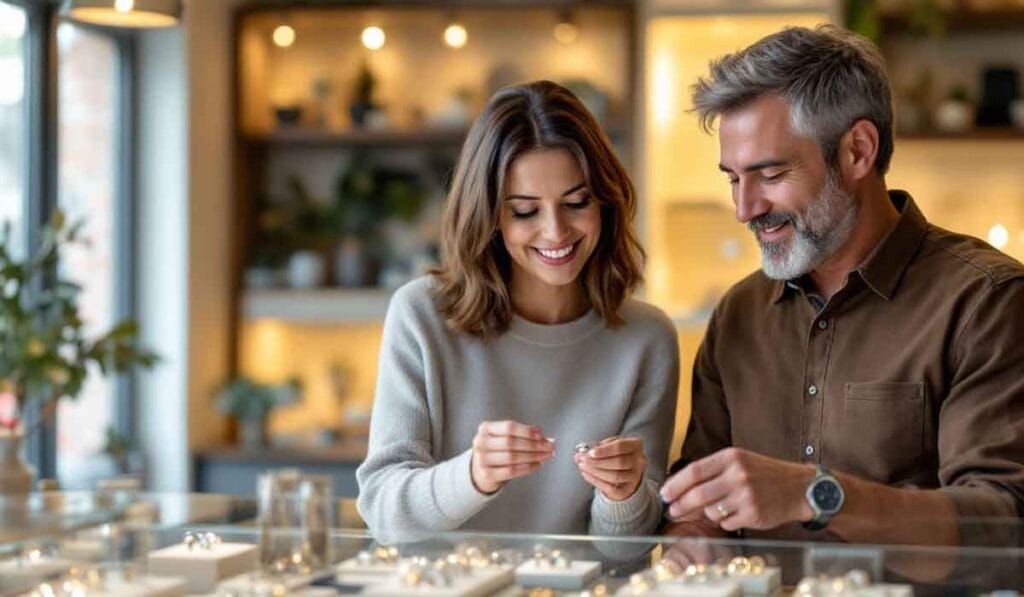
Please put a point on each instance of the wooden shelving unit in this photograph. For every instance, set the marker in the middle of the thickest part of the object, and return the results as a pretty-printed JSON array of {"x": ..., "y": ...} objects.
[{"x": 299, "y": 136}]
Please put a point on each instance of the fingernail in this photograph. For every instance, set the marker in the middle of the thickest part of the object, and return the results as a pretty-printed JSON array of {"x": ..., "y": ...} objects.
[
  {"x": 664, "y": 500},
  {"x": 550, "y": 439},
  {"x": 592, "y": 454}
]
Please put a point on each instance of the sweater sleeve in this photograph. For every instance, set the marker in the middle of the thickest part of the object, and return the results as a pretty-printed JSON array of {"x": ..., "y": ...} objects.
[
  {"x": 651, "y": 417},
  {"x": 404, "y": 494}
]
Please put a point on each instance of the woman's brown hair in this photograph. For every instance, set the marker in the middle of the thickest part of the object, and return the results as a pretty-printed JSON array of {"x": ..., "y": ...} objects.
[{"x": 475, "y": 267}]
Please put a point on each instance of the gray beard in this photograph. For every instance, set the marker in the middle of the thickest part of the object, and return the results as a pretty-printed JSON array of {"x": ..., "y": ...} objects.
[{"x": 819, "y": 232}]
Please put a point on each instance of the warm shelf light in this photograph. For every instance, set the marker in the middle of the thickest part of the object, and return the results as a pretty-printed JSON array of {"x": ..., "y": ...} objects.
[
  {"x": 566, "y": 30},
  {"x": 373, "y": 38},
  {"x": 136, "y": 14},
  {"x": 284, "y": 36},
  {"x": 998, "y": 236},
  {"x": 455, "y": 36}
]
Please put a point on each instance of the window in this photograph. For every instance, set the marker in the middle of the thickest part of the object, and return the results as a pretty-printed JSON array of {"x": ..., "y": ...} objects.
[
  {"x": 12, "y": 121},
  {"x": 88, "y": 120}
]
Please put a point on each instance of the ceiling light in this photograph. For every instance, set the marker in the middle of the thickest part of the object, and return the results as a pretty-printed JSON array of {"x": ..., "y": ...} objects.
[{"x": 140, "y": 14}]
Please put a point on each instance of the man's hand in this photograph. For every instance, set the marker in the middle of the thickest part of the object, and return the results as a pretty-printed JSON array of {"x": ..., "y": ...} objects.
[
  {"x": 506, "y": 450},
  {"x": 737, "y": 489}
]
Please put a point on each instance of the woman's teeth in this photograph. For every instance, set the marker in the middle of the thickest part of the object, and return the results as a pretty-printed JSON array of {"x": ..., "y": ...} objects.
[{"x": 557, "y": 253}]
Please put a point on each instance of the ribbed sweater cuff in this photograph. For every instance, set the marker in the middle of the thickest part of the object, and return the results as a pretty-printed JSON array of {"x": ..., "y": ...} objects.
[
  {"x": 455, "y": 495},
  {"x": 629, "y": 510}
]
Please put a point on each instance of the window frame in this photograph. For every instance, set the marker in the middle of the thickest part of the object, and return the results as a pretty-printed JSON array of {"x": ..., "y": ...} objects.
[{"x": 41, "y": 189}]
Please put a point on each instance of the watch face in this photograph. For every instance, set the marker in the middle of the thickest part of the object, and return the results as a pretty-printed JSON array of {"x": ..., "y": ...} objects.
[{"x": 827, "y": 495}]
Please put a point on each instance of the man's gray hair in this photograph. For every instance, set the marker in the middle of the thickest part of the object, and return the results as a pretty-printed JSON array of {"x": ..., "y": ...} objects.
[{"x": 830, "y": 77}]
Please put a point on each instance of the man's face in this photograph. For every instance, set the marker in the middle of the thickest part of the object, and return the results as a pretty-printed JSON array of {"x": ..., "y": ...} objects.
[{"x": 782, "y": 189}]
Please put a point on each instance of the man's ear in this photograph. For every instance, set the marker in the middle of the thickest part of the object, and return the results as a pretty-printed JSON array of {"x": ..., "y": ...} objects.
[{"x": 858, "y": 150}]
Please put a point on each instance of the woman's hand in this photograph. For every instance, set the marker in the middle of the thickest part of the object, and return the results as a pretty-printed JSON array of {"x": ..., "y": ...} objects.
[
  {"x": 615, "y": 466},
  {"x": 506, "y": 450}
]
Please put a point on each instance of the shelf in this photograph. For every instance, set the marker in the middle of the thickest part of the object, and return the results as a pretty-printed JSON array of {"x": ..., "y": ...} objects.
[
  {"x": 961, "y": 21},
  {"x": 304, "y": 136},
  {"x": 322, "y": 305},
  {"x": 980, "y": 134}
]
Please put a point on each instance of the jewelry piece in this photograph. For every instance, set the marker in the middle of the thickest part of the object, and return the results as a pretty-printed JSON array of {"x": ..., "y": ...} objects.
[
  {"x": 541, "y": 556},
  {"x": 641, "y": 583},
  {"x": 858, "y": 578},
  {"x": 666, "y": 569},
  {"x": 209, "y": 540},
  {"x": 757, "y": 565},
  {"x": 739, "y": 565},
  {"x": 723, "y": 511},
  {"x": 560, "y": 560},
  {"x": 581, "y": 447},
  {"x": 598, "y": 590},
  {"x": 191, "y": 540},
  {"x": 807, "y": 587}
]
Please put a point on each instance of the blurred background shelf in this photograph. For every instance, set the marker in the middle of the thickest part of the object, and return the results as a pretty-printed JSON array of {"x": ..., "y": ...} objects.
[
  {"x": 981, "y": 134},
  {"x": 321, "y": 305},
  {"x": 959, "y": 21},
  {"x": 308, "y": 136}
]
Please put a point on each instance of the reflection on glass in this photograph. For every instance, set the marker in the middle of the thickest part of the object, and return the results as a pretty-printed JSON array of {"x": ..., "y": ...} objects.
[
  {"x": 87, "y": 80},
  {"x": 12, "y": 120}
]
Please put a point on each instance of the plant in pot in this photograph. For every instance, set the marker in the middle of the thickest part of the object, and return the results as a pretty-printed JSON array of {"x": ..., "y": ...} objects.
[
  {"x": 362, "y": 101},
  {"x": 249, "y": 402},
  {"x": 45, "y": 354},
  {"x": 367, "y": 197},
  {"x": 310, "y": 232}
]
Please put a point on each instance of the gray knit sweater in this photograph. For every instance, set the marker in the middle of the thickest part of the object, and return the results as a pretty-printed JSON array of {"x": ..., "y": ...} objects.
[{"x": 579, "y": 381}]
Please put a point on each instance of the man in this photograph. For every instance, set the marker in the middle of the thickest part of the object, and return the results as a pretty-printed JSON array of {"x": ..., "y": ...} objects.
[{"x": 868, "y": 383}]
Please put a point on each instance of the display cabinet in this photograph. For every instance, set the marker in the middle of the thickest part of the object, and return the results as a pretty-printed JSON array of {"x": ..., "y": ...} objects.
[{"x": 172, "y": 554}]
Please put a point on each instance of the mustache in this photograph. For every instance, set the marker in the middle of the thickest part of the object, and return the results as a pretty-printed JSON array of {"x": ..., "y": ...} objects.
[{"x": 771, "y": 220}]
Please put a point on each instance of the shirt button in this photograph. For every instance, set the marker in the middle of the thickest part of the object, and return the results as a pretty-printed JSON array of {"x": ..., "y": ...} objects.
[
  {"x": 813, "y": 390},
  {"x": 823, "y": 325},
  {"x": 809, "y": 450}
]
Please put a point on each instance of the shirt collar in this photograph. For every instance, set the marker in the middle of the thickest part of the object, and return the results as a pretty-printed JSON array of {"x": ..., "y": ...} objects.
[{"x": 884, "y": 266}]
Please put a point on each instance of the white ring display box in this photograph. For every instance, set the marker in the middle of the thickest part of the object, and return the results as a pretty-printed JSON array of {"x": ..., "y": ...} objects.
[
  {"x": 19, "y": 574},
  {"x": 203, "y": 568},
  {"x": 141, "y": 586},
  {"x": 574, "y": 576}
]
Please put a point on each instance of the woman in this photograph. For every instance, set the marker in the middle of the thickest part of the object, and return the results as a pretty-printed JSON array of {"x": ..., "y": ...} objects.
[{"x": 524, "y": 344}]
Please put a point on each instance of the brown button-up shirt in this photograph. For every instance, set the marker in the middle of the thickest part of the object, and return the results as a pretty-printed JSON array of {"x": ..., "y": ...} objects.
[{"x": 911, "y": 375}]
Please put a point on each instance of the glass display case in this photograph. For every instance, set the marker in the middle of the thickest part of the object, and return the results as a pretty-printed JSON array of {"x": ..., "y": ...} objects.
[{"x": 158, "y": 544}]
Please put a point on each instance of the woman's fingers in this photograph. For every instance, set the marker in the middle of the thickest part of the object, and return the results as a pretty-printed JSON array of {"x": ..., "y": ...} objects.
[
  {"x": 502, "y": 459},
  {"x": 511, "y": 443}
]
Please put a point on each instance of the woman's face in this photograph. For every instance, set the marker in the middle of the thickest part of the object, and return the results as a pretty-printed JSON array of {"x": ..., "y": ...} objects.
[{"x": 549, "y": 223}]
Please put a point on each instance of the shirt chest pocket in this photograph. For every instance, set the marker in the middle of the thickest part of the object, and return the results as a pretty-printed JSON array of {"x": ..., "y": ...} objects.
[{"x": 883, "y": 429}]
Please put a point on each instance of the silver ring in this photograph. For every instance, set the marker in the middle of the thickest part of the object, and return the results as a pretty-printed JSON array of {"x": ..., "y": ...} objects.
[{"x": 723, "y": 511}]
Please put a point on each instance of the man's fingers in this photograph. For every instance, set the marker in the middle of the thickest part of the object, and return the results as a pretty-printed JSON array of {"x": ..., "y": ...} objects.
[
  {"x": 696, "y": 473},
  {"x": 705, "y": 494}
]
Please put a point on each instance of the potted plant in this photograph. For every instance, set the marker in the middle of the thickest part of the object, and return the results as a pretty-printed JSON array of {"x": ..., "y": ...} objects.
[
  {"x": 249, "y": 402},
  {"x": 956, "y": 113},
  {"x": 362, "y": 101},
  {"x": 367, "y": 196},
  {"x": 45, "y": 354}
]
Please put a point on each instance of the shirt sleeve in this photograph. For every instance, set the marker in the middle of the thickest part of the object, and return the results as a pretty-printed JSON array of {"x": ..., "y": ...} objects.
[
  {"x": 651, "y": 417},
  {"x": 981, "y": 421},
  {"x": 709, "y": 429},
  {"x": 404, "y": 494}
]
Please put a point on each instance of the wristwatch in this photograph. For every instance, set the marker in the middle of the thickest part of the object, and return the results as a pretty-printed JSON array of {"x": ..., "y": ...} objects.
[{"x": 825, "y": 495}]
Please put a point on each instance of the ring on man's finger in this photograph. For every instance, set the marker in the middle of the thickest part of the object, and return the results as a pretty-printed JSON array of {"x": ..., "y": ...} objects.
[{"x": 723, "y": 510}]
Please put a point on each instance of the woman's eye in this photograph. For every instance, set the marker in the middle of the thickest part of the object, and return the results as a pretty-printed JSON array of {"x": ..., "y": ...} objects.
[
  {"x": 578, "y": 204},
  {"x": 522, "y": 215}
]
